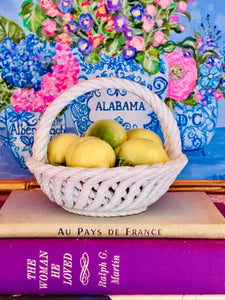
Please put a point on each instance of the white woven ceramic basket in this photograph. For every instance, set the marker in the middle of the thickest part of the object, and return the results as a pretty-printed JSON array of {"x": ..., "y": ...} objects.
[{"x": 107, "y": 192}]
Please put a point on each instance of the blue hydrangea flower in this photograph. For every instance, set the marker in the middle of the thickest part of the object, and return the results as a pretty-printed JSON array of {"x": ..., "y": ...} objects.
[
  {"x": 86, "y": 21},
  {"x": 84, "y": 46},
  {"x": 7, "y": 47},
  {"x": 113, "y": 5},
  {"x": 129, "y": 52},
  {"x": 24, "y": 65},
  {"x": 137, "y": 11},
  {"x": 65, "y": 5},
  {"x": 209, "y": 77}
]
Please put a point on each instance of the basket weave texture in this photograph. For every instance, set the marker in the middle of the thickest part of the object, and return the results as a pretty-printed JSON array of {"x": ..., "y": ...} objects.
[{"x": 106, "y": 192}]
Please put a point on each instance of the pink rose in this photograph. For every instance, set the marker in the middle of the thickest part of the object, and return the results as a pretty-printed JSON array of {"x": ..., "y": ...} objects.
[
  {"x": 49, "y": 26},
  {"x": 147, "y": 24},
  {"x": 68, "y": 17},
  {"x": 53, "y": 11},
  {"x": 164, "y": 3},
  {"x": 151, "y": 10},
  {"x": 159, "y": 22},
  {"x": 64, "y": 38},
  {"x": 137, "y": 42},
  {"x": 183, "y": 75},
  {"x": 182, "y": 28},
  {"x": 45, "y": 3},
  {"x": 174, "y": 19},
  {"x": 159, "y": 38},
  {"x": 182, "y": 6}
]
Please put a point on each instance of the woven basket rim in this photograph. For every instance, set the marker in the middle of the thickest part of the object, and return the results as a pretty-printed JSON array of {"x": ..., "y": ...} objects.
[{"x": 180, "y": 158}]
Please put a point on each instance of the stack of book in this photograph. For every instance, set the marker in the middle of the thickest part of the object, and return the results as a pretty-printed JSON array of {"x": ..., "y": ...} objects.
[{"x": 175, "y": 247}]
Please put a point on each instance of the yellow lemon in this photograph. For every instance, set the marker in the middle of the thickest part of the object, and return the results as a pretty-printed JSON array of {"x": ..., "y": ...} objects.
[
  {"x": 139, "y": 151},
  {"x": 57, "y": 147},
  {"x": 108, "y": 130},
  {"x": 143, "y": 134},
  {"x": 90, "y": 152}
]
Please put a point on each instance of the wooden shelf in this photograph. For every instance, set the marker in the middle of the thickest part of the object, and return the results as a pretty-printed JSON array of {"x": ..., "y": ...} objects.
[{"x": 211, "y": 186}]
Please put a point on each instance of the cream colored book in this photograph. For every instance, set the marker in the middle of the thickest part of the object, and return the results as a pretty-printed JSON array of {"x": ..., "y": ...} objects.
[{"x": 174, "y": 215}]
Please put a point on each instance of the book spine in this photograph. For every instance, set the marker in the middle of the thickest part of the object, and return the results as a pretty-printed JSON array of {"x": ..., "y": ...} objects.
[{"x": 112, "y": 266}]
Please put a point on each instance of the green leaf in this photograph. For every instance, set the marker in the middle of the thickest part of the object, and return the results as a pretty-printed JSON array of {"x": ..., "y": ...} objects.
[
  {"x": 137, "y": 31},
  {"x": 147, "y": 1},
  {"x": 206, "y": 54},
  {"x": 172, "y": 6},
  {"x": 176, "y": 28},
  {"x": 170, "y": 102},
  {"x": 9, "y": 28},
  {"x": 197, "y": 35},
  {"x": 186, "y": 14},
  {"x": 167, "y": 47},
  {"x": 140, "y": 56},
  {"x": 150, "y": 64},
  {"x": 5, "y": 93},
  {"x": 190, "y": 43},
  {"x": 112, "y": 46},
  {"x": 190, "y": 102},
  {"x": 93, "y": 58},
  {"x": 153, "y": 52},
  {"x": 32, "y": 16}
]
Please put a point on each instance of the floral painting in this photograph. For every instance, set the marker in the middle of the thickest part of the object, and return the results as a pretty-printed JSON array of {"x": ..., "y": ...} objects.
[{"x": 47, "y": 46}]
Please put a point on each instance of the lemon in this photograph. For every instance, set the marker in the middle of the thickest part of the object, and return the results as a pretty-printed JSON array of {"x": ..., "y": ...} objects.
[
  {"x": 90, "y": 152},
  {"x": 57, "y": 147},
  {"x": 108, "y": 130},
  {"x": 144, "y": 134},
  {"x": 139, "y": 151}
]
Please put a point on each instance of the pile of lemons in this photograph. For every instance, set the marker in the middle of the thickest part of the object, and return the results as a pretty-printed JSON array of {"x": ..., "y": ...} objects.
[{"x": 107, "y": 144}]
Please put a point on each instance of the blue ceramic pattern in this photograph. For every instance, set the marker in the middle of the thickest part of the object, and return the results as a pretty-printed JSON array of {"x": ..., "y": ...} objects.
[
  {"x": 122, "y": 106},
  {"x": 20, "y": 129},
  {"x": 197, "y": 124}
]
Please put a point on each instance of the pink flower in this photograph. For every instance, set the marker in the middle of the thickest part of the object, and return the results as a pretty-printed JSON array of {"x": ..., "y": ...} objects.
[
  {"x": 174, "y": 19},
  {"x": 45, "y": 3},
  {"x": 151, "y": 10},
  {"x": 53, "y": 11},
  {"x": 182, "y": 28},
  {"x": 183, "y": 75},
  {"x": 198, "y": 96},
  {"x": 64, "y": 75},
  {"x": 96, "y": 40},
  {"x": 101, "y": 11},
  {"x": 200, "y": 43},
  {"x": 164, "y": 3},
  {"x": 68, "y": 17},
  {"x": 64, "y": 38},
  {"x": 182, "y": 6},
  {"x": 85, "y": 5},
  {"x": 147, "y": 24},
  {"x": 159, "y": 38},
  {"x": 49, "y": 26},
  {"x": 218, "y": 94},
  {"x": 137, "y": 42},
  {"x": 159, "y": 22},
  {"x": 28, "y": 100},
  {"x": 110, "y": 23}
]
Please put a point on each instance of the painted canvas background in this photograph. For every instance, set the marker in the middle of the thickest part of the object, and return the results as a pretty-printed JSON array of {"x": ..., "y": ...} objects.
[{"x": 209, "y": 164}]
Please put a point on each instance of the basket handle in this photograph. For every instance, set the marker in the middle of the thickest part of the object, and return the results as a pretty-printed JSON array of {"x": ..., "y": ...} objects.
[{"x": 172, "y": 141}]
